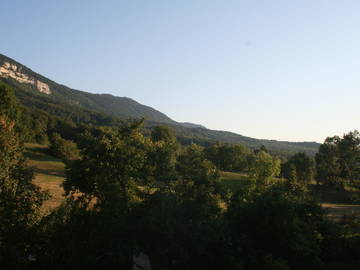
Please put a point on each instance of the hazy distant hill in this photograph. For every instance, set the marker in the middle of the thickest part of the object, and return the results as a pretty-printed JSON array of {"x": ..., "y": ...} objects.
[
  {"x": 191, "y": 125},
  {"x": 37, "y": 91}
]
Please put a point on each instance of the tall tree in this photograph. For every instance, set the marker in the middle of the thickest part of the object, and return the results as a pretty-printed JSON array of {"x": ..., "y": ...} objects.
[
  {"x": 278, "y": 228},
  {"x": 338, "y": 160},
  {"x": 20, "y": 199},
  {"x": 9, "y": 105},
  {"x": 349, "y": 155},
  {"x": 228, "y": 157},
  {"x": 162, "y": 156},
  {"x": 263, "y": 166},
  {"x": 63, "y": 149},
  {"x": 185, "y": 219},
  {"x": 327, "y": 161},
  {"x": 107, "y": 184},
  {"x": 304, "y": 168}
]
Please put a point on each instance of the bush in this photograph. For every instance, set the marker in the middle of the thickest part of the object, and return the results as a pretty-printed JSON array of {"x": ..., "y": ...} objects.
[
  {"x": 63, "y": 149},
  {"x": 282, "y": 222}
]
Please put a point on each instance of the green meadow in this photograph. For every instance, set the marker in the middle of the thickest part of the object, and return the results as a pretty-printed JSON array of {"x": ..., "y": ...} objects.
[
  {"x": 49, "y": 173},
  {"x": 336, "y": 206}
]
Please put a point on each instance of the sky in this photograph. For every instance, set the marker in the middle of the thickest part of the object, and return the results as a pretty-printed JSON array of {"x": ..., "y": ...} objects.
[{"x": 270, "y": 69}]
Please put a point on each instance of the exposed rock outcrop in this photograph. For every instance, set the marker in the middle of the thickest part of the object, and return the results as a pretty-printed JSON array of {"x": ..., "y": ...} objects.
[{"x": 8, "y": 70}]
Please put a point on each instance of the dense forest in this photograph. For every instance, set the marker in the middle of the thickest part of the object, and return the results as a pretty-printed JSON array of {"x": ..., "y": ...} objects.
[{"x": 133, "y": 191}]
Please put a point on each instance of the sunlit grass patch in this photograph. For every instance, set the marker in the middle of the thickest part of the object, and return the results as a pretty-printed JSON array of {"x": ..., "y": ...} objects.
[
  {"x": 338, "y": 211},
  {"x": 53, "y": 185},
  {"x": 49, "y": 173},
  {"x": 232, "y": 181}
]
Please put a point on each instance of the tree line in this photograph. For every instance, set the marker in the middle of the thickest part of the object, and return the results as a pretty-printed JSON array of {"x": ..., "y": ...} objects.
[{"x": 337, "y": 163}]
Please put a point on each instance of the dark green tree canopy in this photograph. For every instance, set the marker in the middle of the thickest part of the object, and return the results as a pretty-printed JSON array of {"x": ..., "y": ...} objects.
[
  {"x": 163, "y": 133},
  {"x": 228, "y": 157},
  {"x": 279, "y": 226},
  {"x": 9, "y": 106},
  {"x": 63, "y": 149},
  {"x": 263, "y": 167},
  {"x": 338, "y": 160},
  {"x": 20, "y": 199},
  {"x": 304, "y": 168}
]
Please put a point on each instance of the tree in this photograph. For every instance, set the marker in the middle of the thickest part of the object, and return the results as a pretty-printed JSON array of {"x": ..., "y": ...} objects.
[
  {"x": 104, "y": 187},
  {"x": 163, "y": 154},
  {"x": 327, "y": 164},
  {"x": 197, "y": 173},
  {"x": 263, "y": 149},
  {"x": 304, "y": 168},
  {"x": 228, "y": 157},
  {"x": 349, "y": 156},
  {"x": 9, "y": 105},
  {"x": 63, "y": 149},
  {"x": 279, "y": 227},
  {"x": 292, "y": 176},
  {"x": 183, "y": 217},
  {"x": 262, "y": 167},
  {"x": 20, "y": 199},
  {"x": 163, "y": 133},
  {"x": 338, "y": 160}
]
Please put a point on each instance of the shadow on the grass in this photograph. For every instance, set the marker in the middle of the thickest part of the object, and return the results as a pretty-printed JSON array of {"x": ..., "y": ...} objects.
[
  {"x": 38, "y": 154},
  {"x": 49, "y": 172}
]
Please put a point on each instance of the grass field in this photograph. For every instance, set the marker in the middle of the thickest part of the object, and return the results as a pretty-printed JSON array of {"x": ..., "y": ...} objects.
[
  {"x": 49, "y": 173},
  {"x": 233, "y": 181},
  {"x": 336, "y": 209}
]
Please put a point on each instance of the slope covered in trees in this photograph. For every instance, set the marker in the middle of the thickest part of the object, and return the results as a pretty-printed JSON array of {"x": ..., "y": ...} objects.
[
  {"x": 104, "y": 103},
  {"x": 107, "y": 110}
]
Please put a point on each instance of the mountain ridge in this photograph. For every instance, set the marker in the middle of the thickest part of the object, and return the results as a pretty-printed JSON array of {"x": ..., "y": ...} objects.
[
  {"x": 125, "y": 107},
  {"x": 105, "y": 103}
]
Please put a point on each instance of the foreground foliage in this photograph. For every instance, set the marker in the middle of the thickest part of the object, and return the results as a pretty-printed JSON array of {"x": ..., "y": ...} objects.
[
  {"x": 20, "y": 200},
  {"x": 130, "y": 194}
]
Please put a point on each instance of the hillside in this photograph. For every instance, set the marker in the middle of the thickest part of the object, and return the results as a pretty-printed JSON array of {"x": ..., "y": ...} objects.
[
  {"x": 27, "y": 80},
  {"x": 39, "y": 92}
]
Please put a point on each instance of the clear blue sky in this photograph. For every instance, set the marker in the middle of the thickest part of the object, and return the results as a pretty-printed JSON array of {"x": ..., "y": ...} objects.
[{"x": 281, "y": 69}]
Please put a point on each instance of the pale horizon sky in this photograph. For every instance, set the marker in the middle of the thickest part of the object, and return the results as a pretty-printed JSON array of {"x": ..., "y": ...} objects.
[{"x": 283, "y": 70}]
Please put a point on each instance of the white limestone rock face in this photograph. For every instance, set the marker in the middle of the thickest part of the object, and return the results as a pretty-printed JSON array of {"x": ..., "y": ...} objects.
[
  {"x": 8, "y": 70},
  {"x": 43, "y": 87}
]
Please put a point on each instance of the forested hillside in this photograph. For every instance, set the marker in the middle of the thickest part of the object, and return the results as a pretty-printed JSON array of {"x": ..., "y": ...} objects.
[
  {"x": 104, "y": 103},
  {"x": 40, "y": 93}
]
